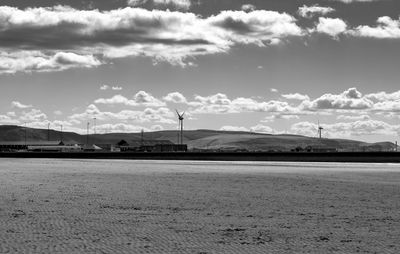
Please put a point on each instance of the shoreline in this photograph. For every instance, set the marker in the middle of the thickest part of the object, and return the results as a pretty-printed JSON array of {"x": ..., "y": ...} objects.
[{"x": 361, "y": 157}]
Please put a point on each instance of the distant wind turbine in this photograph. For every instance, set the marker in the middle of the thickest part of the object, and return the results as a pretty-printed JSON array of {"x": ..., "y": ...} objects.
[
  {"x": 320, "y": 130},
  {"x": 181, "y": 118}
]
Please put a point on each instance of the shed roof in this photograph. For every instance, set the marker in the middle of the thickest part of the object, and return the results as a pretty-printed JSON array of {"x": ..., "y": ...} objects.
[
  {"x": 31, "y": 143},
  {"x": 138, "y": 143}
]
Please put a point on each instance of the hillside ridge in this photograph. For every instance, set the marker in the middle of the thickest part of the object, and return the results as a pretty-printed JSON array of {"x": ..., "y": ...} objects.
[{"x": 200, "y": 139}]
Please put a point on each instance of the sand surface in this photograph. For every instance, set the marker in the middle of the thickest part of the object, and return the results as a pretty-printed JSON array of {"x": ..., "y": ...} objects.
[{"x": 89, "y": 206}]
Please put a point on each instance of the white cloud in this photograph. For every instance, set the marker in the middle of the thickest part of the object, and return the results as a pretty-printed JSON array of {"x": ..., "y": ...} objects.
[
  {"x": 221, "y": 104},
  {"x": 17, "y": 104},
  {"x": 258, "y": 27},
  {"x": 347, "y": 129},
  {"x": 30, "y": 61},
  {"x": 274, "y": 90},
  {"x": 248, "y": 7},
  {"x": 384, "y": 96},
  {"x": 114, "y": 88},
  {"x": 6, "y": 119},
  {"x": 176, "y": 4},
  {"x": 330, "y": 26},
  {"x": 97, "y": 37},
  {"x": 34, "y": 115},
  {"x": 141, "y": 98},
  {"x": 353, "y": 117},
  {"x": 349, "y": 99},
  {"x": 125, "y": 128},
  {"x": 136, "y": 3},
  {"x": 354, "y": 1},
  {"x": 387, "y": 28},
  {"x": 144, "y": 98},
  {"x": 296, "y": 96},
  {"x": 159, "y": 115},
  {"x": 309, "y": 11},
  {"x": 175, "y": 97},
  {"x": 233, "y": 128},
  {"x": 259, "y": 128},
  {"x": 179, "y": 4}
]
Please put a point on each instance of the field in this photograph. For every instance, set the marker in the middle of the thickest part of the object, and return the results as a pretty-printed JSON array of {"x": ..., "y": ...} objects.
[{"x": 89, "y": 206}]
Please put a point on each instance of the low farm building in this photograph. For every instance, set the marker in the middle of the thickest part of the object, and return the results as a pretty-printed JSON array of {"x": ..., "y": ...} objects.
[
  {"x": 22, "y": 145},
  {"x": 151, "y": 146}
]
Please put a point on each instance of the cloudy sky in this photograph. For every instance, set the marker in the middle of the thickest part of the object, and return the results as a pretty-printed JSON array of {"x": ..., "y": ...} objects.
[{"x": 256, "y": 65}]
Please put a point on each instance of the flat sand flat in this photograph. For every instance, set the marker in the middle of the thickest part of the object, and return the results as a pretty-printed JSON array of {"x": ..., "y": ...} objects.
[{"x": 90, "y": 206}]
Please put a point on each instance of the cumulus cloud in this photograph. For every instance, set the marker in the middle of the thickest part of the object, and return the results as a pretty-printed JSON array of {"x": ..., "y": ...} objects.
[
  {"x": 234, "y": 128},
  {"x": 221, "y": 104},
  {"x": 353, "y": 117},
  {"x": 349, "y": 99},
  {"x": 6, "y": 119},
  {"x": 309, "y": 11},
  {"x": 34, "y": 115},
  {"x": 384, "y": 96},
  {"x": 248, "y": 7},
  {"x": 296, "y": 96},
  {"x": 125, "y": 128},
  {"x": 17, "y": 104},
  {"x": 114, "y": 88},
  {"x": 141, "y": 98},
  {"x": 30, "y": 61},
  {"x": 330, "y": 26},
  {"x": 347, "y": 129},
  {"x": 159, "y": 115},
  {"x": 176, "y": 4},
  {"x": 179, "y": 4},
  {"x": 259, "y": 128},
  {"x": 257, "y": 27},
  {"x": 175, "y": 97},
  {"x": 136, "y": 3},
  {"x": 354, "y": 1},
  {"x": 59, "y": 38},
  {"x": 387, "y": 28}
]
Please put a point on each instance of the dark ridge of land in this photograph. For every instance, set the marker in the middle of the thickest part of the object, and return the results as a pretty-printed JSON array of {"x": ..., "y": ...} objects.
[
  {"x": 201, "y": 139},
  {"x": 361, "y": 157}
]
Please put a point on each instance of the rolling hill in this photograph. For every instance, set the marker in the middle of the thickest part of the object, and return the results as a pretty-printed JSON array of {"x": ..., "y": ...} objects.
[{"x": 201, "y": 139}]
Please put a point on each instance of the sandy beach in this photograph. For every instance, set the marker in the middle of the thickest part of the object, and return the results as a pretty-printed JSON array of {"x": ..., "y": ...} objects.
[{"x": 91, "y": 206}]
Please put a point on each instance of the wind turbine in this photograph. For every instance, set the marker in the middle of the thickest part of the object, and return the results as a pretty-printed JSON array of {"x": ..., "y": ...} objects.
[
  {"x": 320, "y": 130},
  {"x": 180, "y": 117}
]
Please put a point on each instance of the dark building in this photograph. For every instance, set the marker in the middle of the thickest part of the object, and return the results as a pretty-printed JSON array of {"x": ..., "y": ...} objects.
[
  {"x": 22, "y": 145},
  {"x": 150, "y": 146},
  {"x": 170, "y": 148}
]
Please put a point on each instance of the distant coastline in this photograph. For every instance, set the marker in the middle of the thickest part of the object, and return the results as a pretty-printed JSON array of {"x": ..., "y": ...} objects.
[{"x": 356, "y": 157}]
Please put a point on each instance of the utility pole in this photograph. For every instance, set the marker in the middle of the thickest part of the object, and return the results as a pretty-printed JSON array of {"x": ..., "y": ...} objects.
[
  {"x": 142, "y": 138},
  {"x": 87, "y": 135},
  {"x": 48, "y": 131},
  {"x": 25, "y": 133},
  {"x": 61, "y": 133},
  {"x": 94, "y": 127},
  {"x": 182, "y": 131}
]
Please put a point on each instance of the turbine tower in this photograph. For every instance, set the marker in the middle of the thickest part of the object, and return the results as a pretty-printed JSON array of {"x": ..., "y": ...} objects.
[
  {"x": 180, "y": 117},
  {"x": 320, "y": 130}
]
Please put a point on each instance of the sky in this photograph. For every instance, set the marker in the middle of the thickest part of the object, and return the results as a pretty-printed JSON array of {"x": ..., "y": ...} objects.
[{"x": 264, "y": 66}]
